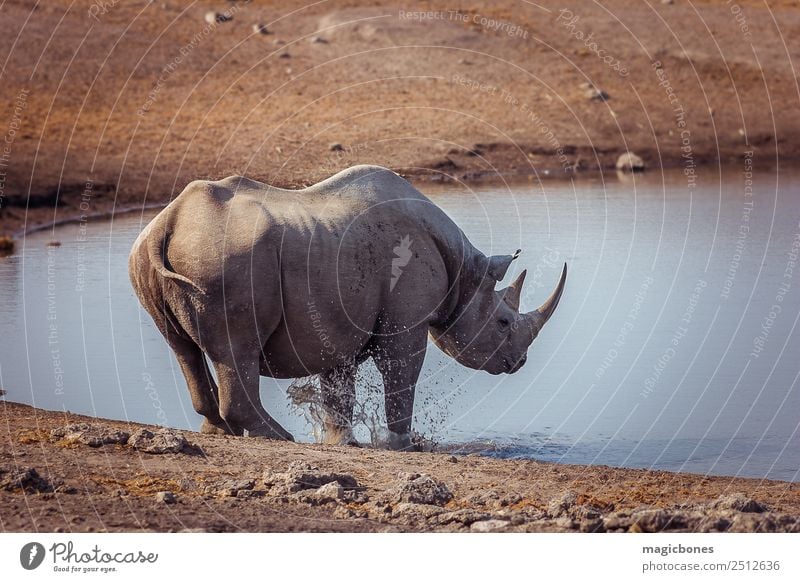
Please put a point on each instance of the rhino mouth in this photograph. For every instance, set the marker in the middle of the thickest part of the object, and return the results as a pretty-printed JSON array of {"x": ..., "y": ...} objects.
[{"x": 514, "y": 366}]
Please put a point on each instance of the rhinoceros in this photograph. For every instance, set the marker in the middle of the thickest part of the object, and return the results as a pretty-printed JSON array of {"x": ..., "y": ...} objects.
[{"x": 291, "y": 283}]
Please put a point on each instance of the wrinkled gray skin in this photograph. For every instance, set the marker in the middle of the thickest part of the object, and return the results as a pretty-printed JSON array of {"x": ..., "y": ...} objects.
[{"x": 290, "y": 283}]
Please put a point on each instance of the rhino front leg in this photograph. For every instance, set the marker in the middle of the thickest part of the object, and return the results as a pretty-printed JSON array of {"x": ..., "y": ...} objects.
[
  {"x": 339, "y": 398},
  {"x": 399, "y": 359}
]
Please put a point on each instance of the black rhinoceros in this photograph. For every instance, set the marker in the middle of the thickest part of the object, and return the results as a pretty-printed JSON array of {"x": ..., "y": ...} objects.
[{"x": 291, "y": 283}]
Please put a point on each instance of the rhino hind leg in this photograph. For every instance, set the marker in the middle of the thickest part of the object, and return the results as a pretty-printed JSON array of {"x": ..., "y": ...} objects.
[
  {"x": 202, "y": 388},
  {"x": 338, "y": 399},
  {"x": 239, "y": 399}
]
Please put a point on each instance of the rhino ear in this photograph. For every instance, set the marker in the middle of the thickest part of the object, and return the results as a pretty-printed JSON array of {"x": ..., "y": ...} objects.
[{"x": 498, "y": 265}]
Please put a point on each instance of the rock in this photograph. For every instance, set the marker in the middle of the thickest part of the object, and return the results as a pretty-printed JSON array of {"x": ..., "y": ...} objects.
[
  {"x": 630, "y": 162},
  {"x": 231, "y": 487},
  {"x": 738, "y": 502},
  {"x": 93, "y": 435},
  {"x": 649, "y": 520},
  {"x": 667, "y": 1},
  {"x": 162, "y": 441},
  {"x": 328, "y": 493},
  {"x": 419, "y": 488},
  {"x": 564, "y": 505},
  {"x": 318, "y": 39},
  {"x": 592, "y": 526},
  {"x": 167, "y": 497},
  {"x": 488, "y": 525},
  {"x": 24, "y": 478},
  {"x": 217, "y": 17},
  {"x": 614, "y": 521},
  {"x": 336, "y": 147},
  {"x": 452, "y": 459},
  {"x": 284, "y": 55},
  {"x": 300, "y": 476},
  {"x": 462, "y": 516},
  {"x": 259, "y": 28},
  {"x": 595, "y": 94}
]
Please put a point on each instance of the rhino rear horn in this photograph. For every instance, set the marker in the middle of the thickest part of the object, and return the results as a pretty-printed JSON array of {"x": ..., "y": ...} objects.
[
  {"x": 540, "y": 316},
  {"x": 512, "y": 292}
]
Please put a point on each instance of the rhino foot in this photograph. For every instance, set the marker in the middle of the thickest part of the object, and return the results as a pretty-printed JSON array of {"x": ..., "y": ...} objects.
[
  {"x": 267, "y": 431},
  {"x": 221, "y": 428},
  {"x": 339, "y": 436},
  {"x": 400, "y": 442}
]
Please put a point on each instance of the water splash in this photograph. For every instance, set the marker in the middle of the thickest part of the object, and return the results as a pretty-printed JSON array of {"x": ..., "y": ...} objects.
[{"x": 369, "y": 416}]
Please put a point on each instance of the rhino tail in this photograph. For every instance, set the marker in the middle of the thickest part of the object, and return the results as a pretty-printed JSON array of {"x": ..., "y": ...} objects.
[{"x": 156, "y": 249}]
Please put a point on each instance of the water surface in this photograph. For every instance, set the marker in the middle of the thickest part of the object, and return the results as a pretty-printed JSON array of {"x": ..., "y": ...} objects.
[{"x": 674, "y": 345}]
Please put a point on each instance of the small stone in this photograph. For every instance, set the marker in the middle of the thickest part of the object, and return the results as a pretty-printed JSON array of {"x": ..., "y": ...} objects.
[
  {"x": 419, "y": 488},
  {"x": 284, "y": 55},
  {"x": 667, "y": 1},
  {"x": 167, "y": 497},
  {"x": 630, "y": 162},
  {"x": 488, "y": 525},
  {"x": 592, "y": 526},
  {"x": 212, "y": 17},
  {"x": 595, "y": 94},
  {"x": 259, "y": 28},
  {"x": 563, "y": 505},
  {"x": 93, "y": 435},
  {"x": 650, "y": 520},
  {"x": 24, "y": 478},
  {"x": 162, "y": 441},
  {"x": 739, "y": 502},
  {"x": 452, "y": 459},
  {"x": 336, "y": 147},
  {"x": 300, "y": 476},
  {"x": 318, "y": 39},
  {"x": 328, "y": 493}
]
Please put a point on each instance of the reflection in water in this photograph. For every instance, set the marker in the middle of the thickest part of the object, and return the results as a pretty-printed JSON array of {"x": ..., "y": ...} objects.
[{"x": 674, "y": 345}]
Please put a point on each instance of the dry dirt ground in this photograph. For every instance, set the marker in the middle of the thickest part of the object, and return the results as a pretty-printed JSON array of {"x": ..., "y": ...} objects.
[
  {"x": 55, "y": 481},
  {"x": 107, "y": 104}
]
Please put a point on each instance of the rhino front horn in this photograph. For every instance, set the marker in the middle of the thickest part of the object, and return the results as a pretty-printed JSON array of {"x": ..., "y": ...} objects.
[{"x": 539, "y": 317}]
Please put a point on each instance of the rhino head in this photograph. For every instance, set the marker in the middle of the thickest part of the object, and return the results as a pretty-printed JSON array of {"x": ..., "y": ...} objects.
[{"x": 487, "y": 331}]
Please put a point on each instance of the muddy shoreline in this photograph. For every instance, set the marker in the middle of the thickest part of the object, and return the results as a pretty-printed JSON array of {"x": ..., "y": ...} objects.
[{"x": 57, "y": 475}]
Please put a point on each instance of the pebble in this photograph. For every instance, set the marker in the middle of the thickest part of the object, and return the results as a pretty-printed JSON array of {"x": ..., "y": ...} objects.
[
  {"x": 167, "y": 497},
  {"x": 630, "y": 162},
  {"x": 488, "y": 525}
]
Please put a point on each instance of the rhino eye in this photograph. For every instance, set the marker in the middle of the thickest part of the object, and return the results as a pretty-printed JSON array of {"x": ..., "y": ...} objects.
[{"x": 503, "y": 323}]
